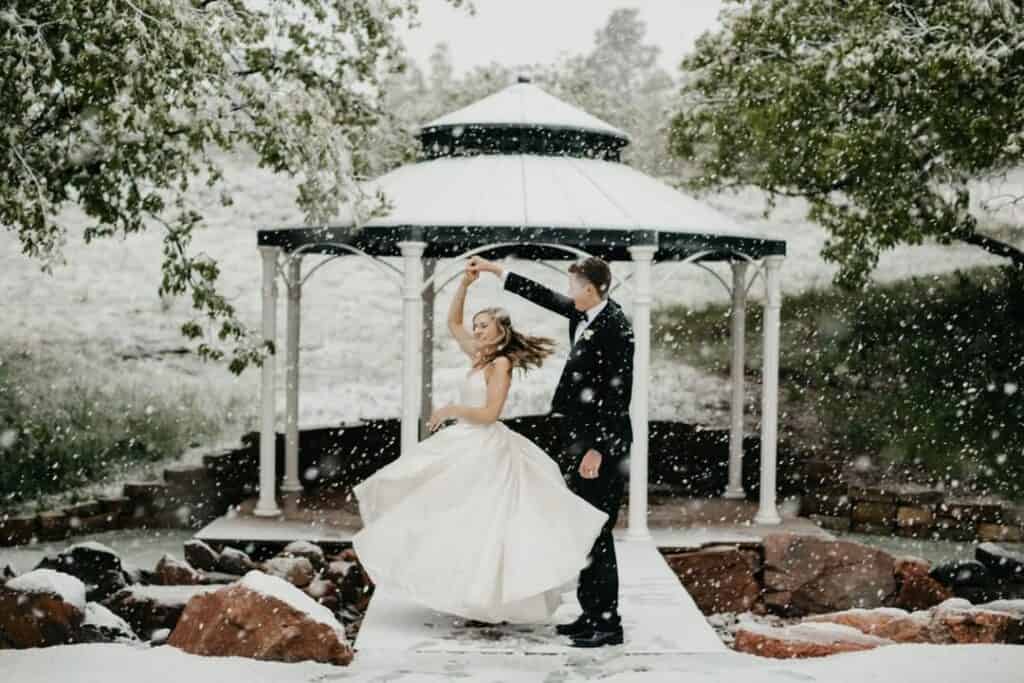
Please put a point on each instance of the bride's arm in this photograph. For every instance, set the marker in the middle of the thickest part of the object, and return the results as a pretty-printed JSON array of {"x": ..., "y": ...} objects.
[
  {"x": 499, "y": 379},
  {"x": 455, "y": 324}
]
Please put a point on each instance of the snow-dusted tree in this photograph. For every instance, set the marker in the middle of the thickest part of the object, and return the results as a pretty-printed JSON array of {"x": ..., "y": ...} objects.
[
  {"x": 117, "y": 106},
  {"x": 878, "y": 113}
]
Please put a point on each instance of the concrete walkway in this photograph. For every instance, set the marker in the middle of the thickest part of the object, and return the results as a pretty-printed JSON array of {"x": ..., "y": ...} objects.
[{"x": 659, "y": 617}]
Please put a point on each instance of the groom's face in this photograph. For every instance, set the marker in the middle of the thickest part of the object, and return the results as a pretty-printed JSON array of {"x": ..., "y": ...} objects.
[{"x": 581, "y": 292}]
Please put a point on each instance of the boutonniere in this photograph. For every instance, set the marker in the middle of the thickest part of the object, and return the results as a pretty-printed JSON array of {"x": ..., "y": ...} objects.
[{"x": 587, "y": 334}]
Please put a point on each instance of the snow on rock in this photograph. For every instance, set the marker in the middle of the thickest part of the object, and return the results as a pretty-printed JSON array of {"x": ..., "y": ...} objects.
[
  {"x": 1001, "y": 562},
  {"x": 803, "y": 640},
  {"x": 102, "y": 625},
  {"x": 310, "y": 551},
  {"x": 41, "y": 608},
  {"x": 262, "y": 617},
  {"x": 274, "y": 587},
  {"x": 68, "y": 588},
  {"x": 150, "y": 608}
]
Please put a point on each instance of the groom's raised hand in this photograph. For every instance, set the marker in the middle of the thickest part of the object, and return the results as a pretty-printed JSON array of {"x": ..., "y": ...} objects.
[{"x": 478, "y": 264}]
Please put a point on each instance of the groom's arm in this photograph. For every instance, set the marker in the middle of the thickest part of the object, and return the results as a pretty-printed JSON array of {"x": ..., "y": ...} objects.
[{"x": 538, "y": 294}]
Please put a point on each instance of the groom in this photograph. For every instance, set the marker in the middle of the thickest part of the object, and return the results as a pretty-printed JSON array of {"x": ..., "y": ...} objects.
[{"x": 592, "y": 402}]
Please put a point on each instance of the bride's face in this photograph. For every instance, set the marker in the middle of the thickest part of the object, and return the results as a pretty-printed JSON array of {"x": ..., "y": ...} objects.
[{"x": 485, "y": 329}]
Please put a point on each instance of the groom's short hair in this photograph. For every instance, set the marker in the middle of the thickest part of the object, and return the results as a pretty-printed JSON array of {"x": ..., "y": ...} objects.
[{"x": 595, "y": 271}]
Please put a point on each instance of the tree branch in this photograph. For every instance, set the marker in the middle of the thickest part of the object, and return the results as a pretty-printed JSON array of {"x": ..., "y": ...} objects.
[{"x": 994, "y": 246}]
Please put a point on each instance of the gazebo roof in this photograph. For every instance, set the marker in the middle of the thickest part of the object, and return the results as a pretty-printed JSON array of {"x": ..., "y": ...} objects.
[
  {"x": 482, "y": 189},
  {"x": 527, "y": 106}
]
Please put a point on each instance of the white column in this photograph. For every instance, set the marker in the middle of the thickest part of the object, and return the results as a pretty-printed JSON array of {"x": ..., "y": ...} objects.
[
  {"x": 642, "y": 257},
  {"x": 739, "y": 330},
  {"x": 427, "y": 364},
  {"x": 767, "y": 513},
  {"x": 267, "y": 504},
  {"x": 412, "y": 346},
  {"x": 291, "y": 482}
]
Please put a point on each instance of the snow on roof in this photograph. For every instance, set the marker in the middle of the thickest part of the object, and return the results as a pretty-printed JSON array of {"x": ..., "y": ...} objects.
[
  {"x": 526, "y": 105},
  {"x": 273, "y": 587},
  {"x": 70, "y": 589},
  {"x": 530, "y": 191}
]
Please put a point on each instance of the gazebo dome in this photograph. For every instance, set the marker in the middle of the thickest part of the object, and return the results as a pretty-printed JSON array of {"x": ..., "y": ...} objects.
[{"x": 523, "y": 166}]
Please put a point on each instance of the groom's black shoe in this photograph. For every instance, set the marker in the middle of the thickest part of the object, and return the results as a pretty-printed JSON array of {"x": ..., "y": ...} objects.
[
  {"x": 580, "y": 627},
  {"x": 597, "y": 638}
]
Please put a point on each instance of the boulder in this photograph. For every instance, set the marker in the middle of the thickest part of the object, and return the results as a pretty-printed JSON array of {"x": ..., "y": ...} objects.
[
  {"x": 918, "y": 592},
  {"x": 1000, "y": 562},
  {"x": 356, "y": 588},
  {"x": 811, "y": 575},
  {"x": 336, "y": 570},
  {"x": 961, "y": 573},
  {"x": 148, "y": 609},
  {"x": 297, "y": 571},
  {"x": 173, "y": 572},
  {"x": 103, "y": 626},
  {"x": 967, "y": 623},
  {"x": 720, "y": 579},
  {"x": 201, "y": 556},
  {"x": 325, "y": 592},
  {"x": 262, "y": 617},
  {"x": 234, "y": 561},
  {"x": 89, "y": 561},
  {"x": 111, "y": 582},
  {"x": 310, "y": 551},
  {"x": 40, "y": 608},
  {"x": 803, "y": 640}
]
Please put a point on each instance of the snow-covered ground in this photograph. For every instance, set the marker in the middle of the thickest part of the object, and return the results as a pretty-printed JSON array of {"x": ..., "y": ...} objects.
[
  {"x": 103, "y": 304},
  {"x": 902, "y": 663},
  {"x": 137, "y": 548}
]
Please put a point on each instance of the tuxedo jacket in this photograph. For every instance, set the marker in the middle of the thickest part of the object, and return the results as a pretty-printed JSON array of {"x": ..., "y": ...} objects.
[{"x": 596, "y": 385}]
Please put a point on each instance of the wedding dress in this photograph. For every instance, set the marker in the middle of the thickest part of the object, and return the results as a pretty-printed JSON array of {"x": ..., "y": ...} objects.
[{"x": 476, "y": 521}]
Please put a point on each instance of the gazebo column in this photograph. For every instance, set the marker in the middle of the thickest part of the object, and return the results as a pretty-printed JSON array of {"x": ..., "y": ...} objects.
[
  {"x": 643, "y": 256},
  {"x": 427, "y": 363},
  {"x": 767, "y": 512},
  {"x": 291, "y": 482},
  {"x": 734, "y": 490},
  {"x": 412, "y": 342},
  {"x": 266, "y": 506}
]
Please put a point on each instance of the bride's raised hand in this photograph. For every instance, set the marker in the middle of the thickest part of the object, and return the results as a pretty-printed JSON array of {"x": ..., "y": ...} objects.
[{"x": 470, "y": 276}]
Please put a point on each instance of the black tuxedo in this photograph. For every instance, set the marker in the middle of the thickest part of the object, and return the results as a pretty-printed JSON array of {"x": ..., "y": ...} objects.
[{"x": 593, "y": 397}]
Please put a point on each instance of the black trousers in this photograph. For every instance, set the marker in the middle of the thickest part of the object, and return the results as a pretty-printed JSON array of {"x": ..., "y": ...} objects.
[{"x": 598, "y": 590}]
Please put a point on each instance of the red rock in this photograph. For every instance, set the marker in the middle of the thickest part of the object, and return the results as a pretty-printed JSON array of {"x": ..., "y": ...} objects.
[
  {"x": 36, "y": 611},
  {"x": 718, "y": 579},
  {"x": 238, "y": 621},
  {"x": 297, "y": 571},
  {"x": 173, "y": 572},
  {"x": 826, "y": 576},
  {"x": 917, "y": 592},
  {"x": 966, "y": 623},
  {"x": 803, "y": 640},
  {"x": 886, "y": 622}
]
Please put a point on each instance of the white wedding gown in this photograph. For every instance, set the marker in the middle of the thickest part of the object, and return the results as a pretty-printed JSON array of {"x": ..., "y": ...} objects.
[{"x": 476, "y": 521}]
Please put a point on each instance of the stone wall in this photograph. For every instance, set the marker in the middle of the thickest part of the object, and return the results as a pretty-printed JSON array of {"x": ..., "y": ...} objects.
[{"x": 914, "y": 512}]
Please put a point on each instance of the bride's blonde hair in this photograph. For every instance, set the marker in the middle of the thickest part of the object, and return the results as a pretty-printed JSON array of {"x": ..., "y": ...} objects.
[{"x": 523, "y": 350}]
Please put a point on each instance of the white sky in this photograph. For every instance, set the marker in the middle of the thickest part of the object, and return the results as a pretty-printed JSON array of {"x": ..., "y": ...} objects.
[{"x": 515, "y": 32}]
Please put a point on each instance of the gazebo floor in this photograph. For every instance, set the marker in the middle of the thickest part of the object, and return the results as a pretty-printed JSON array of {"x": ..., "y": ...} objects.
[{"x": 330, "y": 518}]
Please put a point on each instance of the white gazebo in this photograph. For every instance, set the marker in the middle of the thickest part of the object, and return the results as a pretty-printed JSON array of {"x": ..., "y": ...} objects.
[{"x": 522, "y": 173}]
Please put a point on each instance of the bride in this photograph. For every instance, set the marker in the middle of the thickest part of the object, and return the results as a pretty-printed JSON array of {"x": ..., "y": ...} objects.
[{"x": 477, "y": 521}]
